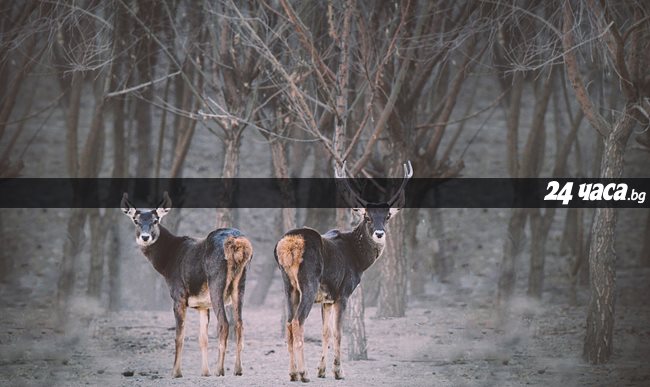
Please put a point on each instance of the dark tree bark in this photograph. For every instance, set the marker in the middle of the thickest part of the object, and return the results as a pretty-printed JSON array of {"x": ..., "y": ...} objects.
[
  {"x": 578, "y": 265},
  {"x": 567, "y": 243},
  {"x": 644, "y": 254},
  {"x": 5, "y": 263},
  {"x": 114, "y": 269},
  {"x": 149, "y": 14},
  {"x": 72, "y": 121},
  {"x": 121, "y": 76},
  {"x": 320, "y": 219},
  {"x": 356, "y": 327},
  {"x": 98, "y": 235},
  {"x": 540, "y": 225},
  {"x": 531, "y": 167},
  {"x": 419, "y": 269},
  {"x": 442, "y": 260},
  {"x": 615, "y": 132},
  {"x": 392, "y": 289},
  {"x": 230, "y": 167},
  {"x": 598, "y": 346},
  {"x": 511, "y": 250},
  {"x": 71, "y": 249}
]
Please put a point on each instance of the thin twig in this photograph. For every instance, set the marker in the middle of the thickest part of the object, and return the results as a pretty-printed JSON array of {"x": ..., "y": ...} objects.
[{"x": 142, "y": 85}]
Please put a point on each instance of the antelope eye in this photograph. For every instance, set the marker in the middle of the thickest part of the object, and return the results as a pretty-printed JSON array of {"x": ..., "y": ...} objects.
[{"x": 155, "y": 221}]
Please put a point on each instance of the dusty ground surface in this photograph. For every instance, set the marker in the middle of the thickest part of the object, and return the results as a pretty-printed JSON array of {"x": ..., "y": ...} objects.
[{"x": 451, "y": 336}]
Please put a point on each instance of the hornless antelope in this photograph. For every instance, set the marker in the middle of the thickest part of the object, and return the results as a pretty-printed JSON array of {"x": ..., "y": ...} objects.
[
  {"x": 327, "y": 268},
  {"x": 200, "y": 274}
]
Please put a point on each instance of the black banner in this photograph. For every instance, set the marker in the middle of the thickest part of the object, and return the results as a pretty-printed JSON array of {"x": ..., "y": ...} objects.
[{"x": 323, "y": 193}]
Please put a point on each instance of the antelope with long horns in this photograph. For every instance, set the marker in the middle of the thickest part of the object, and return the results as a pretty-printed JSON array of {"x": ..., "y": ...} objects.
[{"x": 327, "y": 268}]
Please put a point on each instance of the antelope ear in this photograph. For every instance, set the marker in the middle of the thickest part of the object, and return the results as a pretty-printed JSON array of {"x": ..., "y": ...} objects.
[
  {"x": 127, "y": 207},
  {"x": 164, "y": 206}
]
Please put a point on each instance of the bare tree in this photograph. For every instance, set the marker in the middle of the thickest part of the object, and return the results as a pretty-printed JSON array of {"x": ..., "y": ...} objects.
[
  {"x": 623, "y": 44},
  {"x": 524, "y": 37},
  {"x": 81, "y": 54},
  {"x": 540, "y": 222},
  {"x": 16, "y": 63},
  {"x": 277, "y": 128},
  {"x": 120, "y": 160}
]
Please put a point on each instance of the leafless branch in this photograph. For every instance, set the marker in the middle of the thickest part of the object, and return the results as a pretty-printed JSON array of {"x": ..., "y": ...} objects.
[
  {"x": 571, "y": 61},
  {"x": 142, "y": 86}
]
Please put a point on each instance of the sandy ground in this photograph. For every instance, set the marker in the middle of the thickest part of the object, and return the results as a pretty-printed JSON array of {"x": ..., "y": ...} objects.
[{"x": 450, "y": 338}]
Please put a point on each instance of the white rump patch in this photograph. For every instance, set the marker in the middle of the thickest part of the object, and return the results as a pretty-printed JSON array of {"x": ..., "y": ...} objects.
[{"x": 200, "y": 301}]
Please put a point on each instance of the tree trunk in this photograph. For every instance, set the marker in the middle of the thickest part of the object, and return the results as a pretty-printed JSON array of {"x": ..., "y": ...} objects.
[
  {"x": 320, "y": 219},
  {"x": 355, "y": 313},
  {"x": 144, "y": 166},
  {"x": 121, "y": 75},
  {"x": 6, "y": 266},
  {"x": 230, "y": 167},
  {"x": 418, "y": 273},
  {"x": 598, "y": 344},
  {"x": 97, "y": 242},
  {"x": 145, "y": 65},
  {"x": 392, "y": 288},
  {"x": 442, "y": 263},
  {"x": 511, "y": 250},
  {"x": 114, "y": 269},
  {"x": 567, "y": 244},
  {"x": 71, "y": 249},
  {"x": 73, "y": 243},
  {"x": 354, "y": 325},
  {"x": 356, "y": 329},
  {"x": 600, "y": 316},
  {"x": 537, "y": 256},
  {"x": 578, "y": 265},
  {"x": 72, "y": 121},
  {"x": 371, "y": 282},
  {"x": 540, "y": 226},
  {"x": 268, "y": 267},
  {"x": 644, "y": 255}
]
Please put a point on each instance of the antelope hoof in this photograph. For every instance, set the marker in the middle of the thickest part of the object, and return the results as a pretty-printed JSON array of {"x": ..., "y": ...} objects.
[
  {"x": 293, "y": 376},
  {"x": 321, "y": 372},
  {"x": 303, "y": 377},
  {"x": 238, "y": 372},
  {"x": 338, "y": 375},
  {"x": 177, "y": 374},
  {"x": 205, "y": 373},
  {"x": 220, "y": 372}
]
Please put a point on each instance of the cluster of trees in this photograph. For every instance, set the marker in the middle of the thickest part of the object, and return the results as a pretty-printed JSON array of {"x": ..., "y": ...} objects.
[{"x": 374, "y": 83}]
